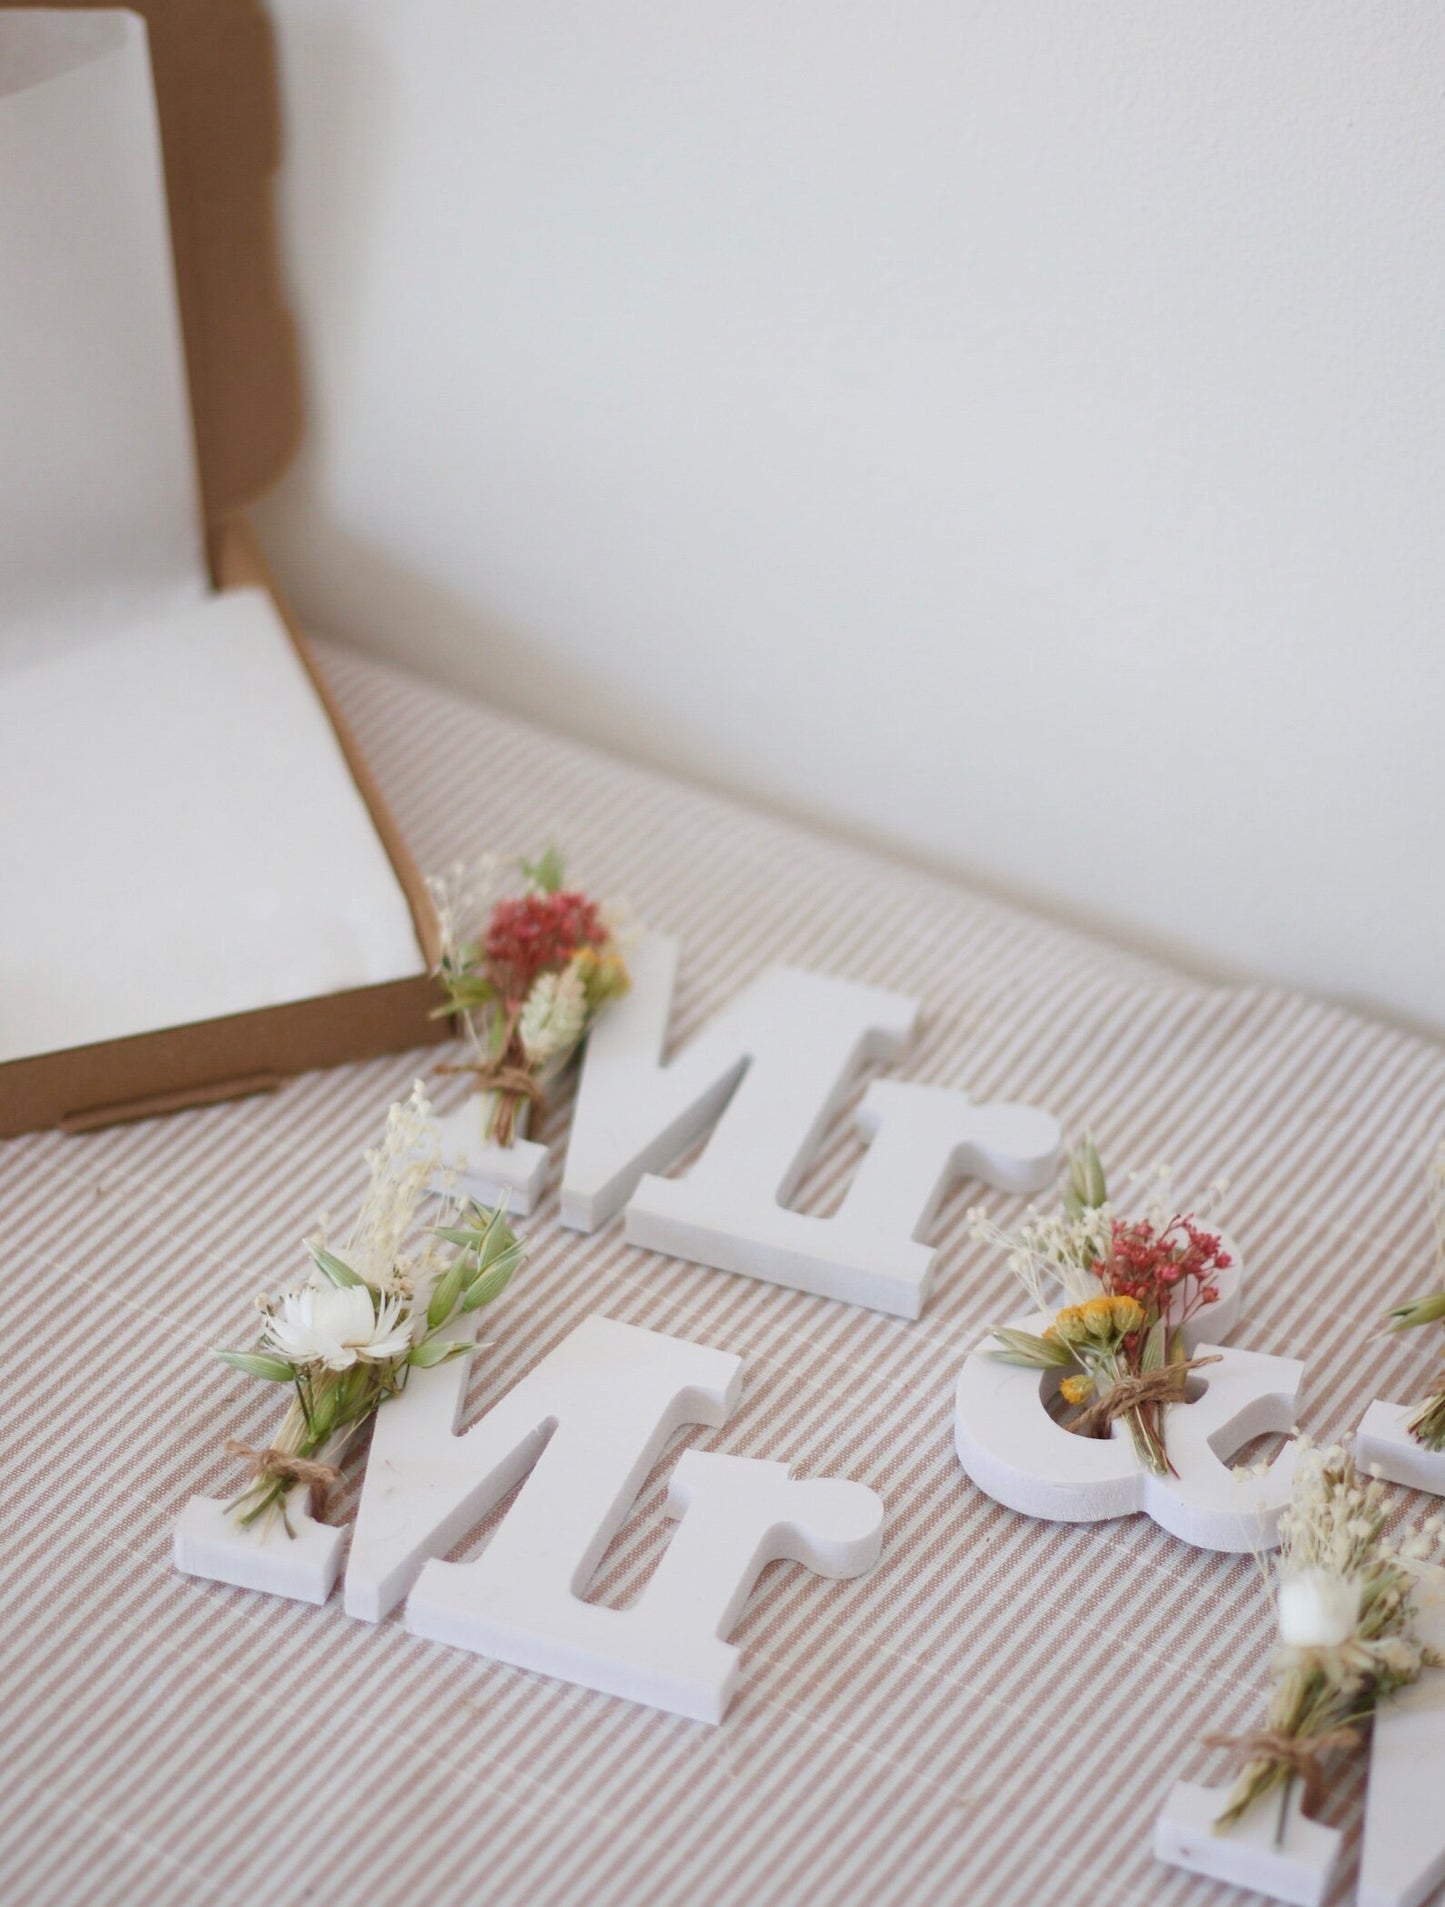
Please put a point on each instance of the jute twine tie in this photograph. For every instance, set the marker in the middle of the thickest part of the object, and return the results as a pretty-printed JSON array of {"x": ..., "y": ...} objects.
[
  {"x": 510, "y": 1082},
  {"x": 1303, "y": 1757},
  {"x": 500, "y": 1076},
  {"x": 320, "y": 1478},
  {"x": 1164, "y": 1386}
]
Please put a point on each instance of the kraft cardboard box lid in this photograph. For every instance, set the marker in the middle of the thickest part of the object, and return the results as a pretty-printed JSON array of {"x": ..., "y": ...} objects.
[
  {"x": 149, "y": 385},
  {"x": 216, "y": 92},
  {"x": 101, "y": 510}
]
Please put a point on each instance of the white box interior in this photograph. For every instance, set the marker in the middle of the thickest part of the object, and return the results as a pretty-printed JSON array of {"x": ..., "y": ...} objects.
[{"x": 180, "y": 835}]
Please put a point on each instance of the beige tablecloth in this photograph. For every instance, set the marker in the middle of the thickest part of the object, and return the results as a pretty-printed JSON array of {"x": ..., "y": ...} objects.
[{"x": 992, "y": 1715}]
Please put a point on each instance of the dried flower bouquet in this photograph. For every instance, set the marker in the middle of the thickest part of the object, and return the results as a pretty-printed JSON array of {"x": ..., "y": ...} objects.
[
  {"x": 1131, "y": 1285},
  {"x": 526, "y": 975},
  {"x": 348, "y": 1338},
  {"x": 1426, "y": 1423},
  {"x": 1345, "y": 1601}
]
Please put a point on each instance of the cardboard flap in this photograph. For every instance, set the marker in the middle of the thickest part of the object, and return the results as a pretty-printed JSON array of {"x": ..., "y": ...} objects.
[
  {"x": 214, "y": 65},
  {"x": 214, "y": 84}
]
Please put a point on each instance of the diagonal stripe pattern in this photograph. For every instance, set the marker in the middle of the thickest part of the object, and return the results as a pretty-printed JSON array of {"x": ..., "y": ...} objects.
[{"x": 992, "y": 1716}]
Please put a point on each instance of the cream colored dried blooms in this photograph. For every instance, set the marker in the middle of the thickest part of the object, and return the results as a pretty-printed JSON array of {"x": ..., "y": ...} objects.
[
  {"x": 1317, "y": 1610},
  {"x": 403, "y": 1170},
  {"x": 554, "y": 1017}
]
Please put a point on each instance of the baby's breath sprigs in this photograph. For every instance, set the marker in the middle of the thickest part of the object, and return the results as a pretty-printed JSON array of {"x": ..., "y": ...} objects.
[
  {"x": 349, "y": 1337},
  {"x": 1426, "y": 1423},
  {"x": 1345, "y": 1601},
  {"x": 525, "y": 974},
  {"x": 1131, "y": 1285}
]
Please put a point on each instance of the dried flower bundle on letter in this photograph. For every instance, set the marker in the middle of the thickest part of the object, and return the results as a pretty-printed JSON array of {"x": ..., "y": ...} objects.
[
  {"x": 1131, "y": 1285},
  {"x": 526, "y": 974},
  {"x": 1345, "y": 1602},
  {"x": 348, "y": 1338}
]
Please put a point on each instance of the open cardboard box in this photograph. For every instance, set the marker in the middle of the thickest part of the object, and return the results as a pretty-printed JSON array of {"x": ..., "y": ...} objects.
[{"x": 121, "y": 550}]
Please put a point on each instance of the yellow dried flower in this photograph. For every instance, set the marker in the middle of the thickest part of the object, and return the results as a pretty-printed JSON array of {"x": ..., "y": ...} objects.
[
  {"x": 1128, "y": 1315},
  {"x": 603, "y": 974},
  {"x": 1077, "y": 1390},
  {"x": 1101, "y": 1320},
  {"x": 1071, "y": 1322}
]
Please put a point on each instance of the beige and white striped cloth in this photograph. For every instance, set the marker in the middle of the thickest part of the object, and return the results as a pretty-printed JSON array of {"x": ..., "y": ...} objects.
[{"x": 992, "y": 1715}]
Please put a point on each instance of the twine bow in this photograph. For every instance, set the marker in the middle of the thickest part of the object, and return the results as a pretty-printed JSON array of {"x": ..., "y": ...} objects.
[
  {"x": 320, "y": 1478},
  {"x": 510, "y": 1082},
  {"x": 1303, "y": 1757},
  {"x": 1164, "y": 1386}
]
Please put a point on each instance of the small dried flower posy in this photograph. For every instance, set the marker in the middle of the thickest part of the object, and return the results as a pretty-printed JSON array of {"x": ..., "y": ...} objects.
[
  {"x": 1346, "y": 1610},
  {"x": 526, "y": 974},
  {"x": 1131, "y": 1283},
  {"x": 348, "y": 1339}
]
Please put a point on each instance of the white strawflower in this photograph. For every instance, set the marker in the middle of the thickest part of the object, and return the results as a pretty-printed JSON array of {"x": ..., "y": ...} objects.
[
  {"x": 1317, "y": 1610},
  {"x": 337, "y": 1325},
  {"x": 554, "y": 1017}
]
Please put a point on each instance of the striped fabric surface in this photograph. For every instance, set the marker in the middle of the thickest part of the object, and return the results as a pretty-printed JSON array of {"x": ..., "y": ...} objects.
[{"x": 993, "y": 1715}]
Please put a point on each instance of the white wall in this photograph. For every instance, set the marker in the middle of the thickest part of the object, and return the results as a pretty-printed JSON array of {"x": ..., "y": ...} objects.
[{"x": 1010, "y": 429}]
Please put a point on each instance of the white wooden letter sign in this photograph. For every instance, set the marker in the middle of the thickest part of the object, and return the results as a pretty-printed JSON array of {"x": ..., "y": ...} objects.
[
  {"x": 1012, "y": 1447},
  {"x": 1402, "y": 1857},
  {"x": 587, "y": 1424},
  {"x": 768, "y": 1075},
  {"x": 1385, "y": 1448},
  {"x": 510, "y": 1176}
]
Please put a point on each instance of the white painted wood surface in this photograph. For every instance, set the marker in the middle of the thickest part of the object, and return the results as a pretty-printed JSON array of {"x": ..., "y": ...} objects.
[
  {"x": 580, "y": 1433},
  {"x": 588, "y": 1423},
  {"x": 482, "y": 1170},
  {"x": 1402, "y": 1854},
  {"x": 1384, "y": 1447},
  {"x": 766, "y": 1077},
  {"x": 1013, "y": 1448},
  {"x": 208, "y": 1541},
  {"x": 1298, "y": 1866}
]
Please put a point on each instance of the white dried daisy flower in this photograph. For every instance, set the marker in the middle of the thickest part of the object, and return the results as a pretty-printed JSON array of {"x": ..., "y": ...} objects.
[
  {"x": 337, "y": 1327},
  {"x": 348, "y": 1341}
]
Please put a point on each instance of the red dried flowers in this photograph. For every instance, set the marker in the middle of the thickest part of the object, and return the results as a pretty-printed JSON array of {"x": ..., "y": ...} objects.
[
  {"x": 1134, "y": 1283},
  {"x": 535, "y": 932},
  {"x": 1171, "y": 1269},
  {"x": 526, "y": 976}
]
